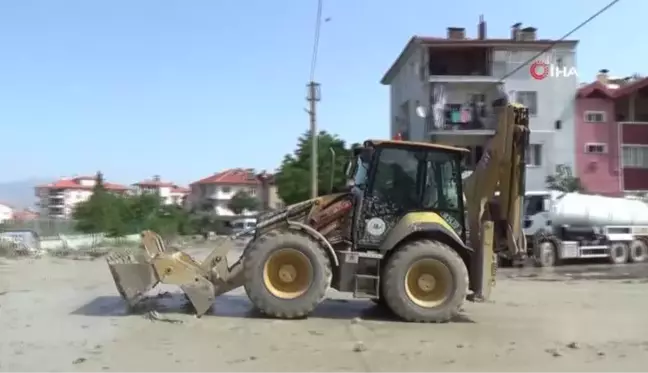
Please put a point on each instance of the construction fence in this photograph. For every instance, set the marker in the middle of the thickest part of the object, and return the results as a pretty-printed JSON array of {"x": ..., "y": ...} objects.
[{"x": 44, "y": 227}]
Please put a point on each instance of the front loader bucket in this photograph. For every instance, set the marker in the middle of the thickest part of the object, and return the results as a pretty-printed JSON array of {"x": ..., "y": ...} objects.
[{"x": 133, "y": 275}]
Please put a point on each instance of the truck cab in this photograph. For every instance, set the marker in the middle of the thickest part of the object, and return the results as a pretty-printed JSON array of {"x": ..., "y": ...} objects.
[{"x": 537, "y": 207}]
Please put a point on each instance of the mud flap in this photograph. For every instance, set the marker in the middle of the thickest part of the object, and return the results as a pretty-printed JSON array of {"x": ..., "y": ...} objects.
[{"x": 133, "y": 276}]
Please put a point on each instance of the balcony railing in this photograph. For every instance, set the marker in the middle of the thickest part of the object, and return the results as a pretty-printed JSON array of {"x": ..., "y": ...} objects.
[
  {"x": 56, "y": 201},
  {"x": 457, "y": 119}
]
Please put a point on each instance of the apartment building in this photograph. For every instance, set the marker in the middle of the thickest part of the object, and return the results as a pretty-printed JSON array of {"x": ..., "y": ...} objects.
[
  {"x": 6, "y": 212},
  {"x": 612, "y": 135},
  {"x": 170, "y": 193},
  {"x": 215, "y": 191},
  {"x": 441, "y": 90},
  {"x": 57, "y": 199}
]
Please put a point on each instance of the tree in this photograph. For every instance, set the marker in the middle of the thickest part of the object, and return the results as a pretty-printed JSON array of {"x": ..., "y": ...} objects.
[
  {"x": 120, "y": 215},
  {"x": 242, "y": 201},
  {"x": 294, "y": 177},
  {"x": 100, "y": 213},
  {"x": 564, "y": 180}
]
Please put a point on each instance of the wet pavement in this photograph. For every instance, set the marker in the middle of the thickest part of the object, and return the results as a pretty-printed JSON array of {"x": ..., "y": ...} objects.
[{"x": 580, "y": 271}]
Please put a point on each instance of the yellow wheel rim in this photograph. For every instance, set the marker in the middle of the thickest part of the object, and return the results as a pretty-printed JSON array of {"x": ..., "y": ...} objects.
[
  {"x": 428, "y": 283},
  {"x": 287, "y": 273}
]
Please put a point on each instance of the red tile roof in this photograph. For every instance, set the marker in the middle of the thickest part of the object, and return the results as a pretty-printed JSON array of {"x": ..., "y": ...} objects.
[
  {"x": 599, "y": 87},
  {"x": 594, "y": 87},
  {"x": 75, "y": 184},
  {"x": 234, "y": 176}
]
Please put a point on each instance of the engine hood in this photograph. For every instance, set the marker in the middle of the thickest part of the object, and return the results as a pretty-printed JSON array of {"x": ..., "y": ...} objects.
[{"x": 302, "y": 210}]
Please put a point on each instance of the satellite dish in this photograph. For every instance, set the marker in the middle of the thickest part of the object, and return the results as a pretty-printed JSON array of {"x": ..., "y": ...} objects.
[{"x": 421, "y": 111}]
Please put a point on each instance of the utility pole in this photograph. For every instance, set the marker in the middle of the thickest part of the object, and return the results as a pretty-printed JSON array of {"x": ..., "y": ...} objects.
[{"x": 313, "y": 98}]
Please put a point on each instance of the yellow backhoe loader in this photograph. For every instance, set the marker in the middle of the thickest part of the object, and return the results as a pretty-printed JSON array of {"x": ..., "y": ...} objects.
[{"x": 401, "y": 235}]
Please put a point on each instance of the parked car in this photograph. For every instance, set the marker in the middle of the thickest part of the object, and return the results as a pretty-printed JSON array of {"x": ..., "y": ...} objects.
[{"x": 240, "y": 225}]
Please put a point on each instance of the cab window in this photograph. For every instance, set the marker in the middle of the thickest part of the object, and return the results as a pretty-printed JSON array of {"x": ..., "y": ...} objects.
[
  {"x": 441, "y": 182},
  {"x": 395, "y": 180}
]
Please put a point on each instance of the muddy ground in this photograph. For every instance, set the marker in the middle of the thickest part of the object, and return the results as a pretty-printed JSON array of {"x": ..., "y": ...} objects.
[{"x": 65, "y": 315}]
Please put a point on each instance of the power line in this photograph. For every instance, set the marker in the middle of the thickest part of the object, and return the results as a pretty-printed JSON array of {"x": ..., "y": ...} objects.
[
  {"x": 318, "y": 26},
  {"x": 555, "y": 42}
]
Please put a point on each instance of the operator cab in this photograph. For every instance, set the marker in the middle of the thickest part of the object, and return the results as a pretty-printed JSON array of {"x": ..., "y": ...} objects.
[{"x": 389, "y": 179}]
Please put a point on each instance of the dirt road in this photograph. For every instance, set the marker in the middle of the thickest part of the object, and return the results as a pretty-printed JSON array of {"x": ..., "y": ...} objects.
[{"x": 65, "y": 315}]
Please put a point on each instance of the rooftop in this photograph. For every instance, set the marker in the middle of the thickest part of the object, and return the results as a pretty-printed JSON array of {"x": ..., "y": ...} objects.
[
  {"x": 233, "y": 176},
  {"x": 157, "y": 182},
  {"x": 154, "y": 183},
  {"x": 456, "y": 39},
  {"x": 75, "y": 183},
  {"x": 612, "y": 91}
]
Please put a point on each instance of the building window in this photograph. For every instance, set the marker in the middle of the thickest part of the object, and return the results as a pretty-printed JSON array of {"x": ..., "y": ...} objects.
[
  {"x": 530, "y": 100},
  {"x": 534, "y": 155},
  {"x": 635, "y": 156},
  {"x": 596, "y": 148},
  {"x": 595, "y": 117},
  {"x": 226, "y": 189}
]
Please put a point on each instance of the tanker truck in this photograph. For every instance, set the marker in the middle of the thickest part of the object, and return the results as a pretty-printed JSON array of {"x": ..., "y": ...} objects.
[{"x": 561, "y": 226}]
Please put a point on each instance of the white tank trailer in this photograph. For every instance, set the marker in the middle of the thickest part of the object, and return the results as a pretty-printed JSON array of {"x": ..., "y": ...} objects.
[
  {"x": 590, "y": 210},
  {"x": 563, "y": 226}
]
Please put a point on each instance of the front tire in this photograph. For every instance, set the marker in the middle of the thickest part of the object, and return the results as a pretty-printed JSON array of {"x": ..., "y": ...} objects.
[
  {"x": 425, "y": 281},
  {"x": 547, "y": 255},
  {"x": 286, "y": 274}
]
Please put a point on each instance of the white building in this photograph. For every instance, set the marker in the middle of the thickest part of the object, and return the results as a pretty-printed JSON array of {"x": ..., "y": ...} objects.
[
  {"x": 170, "y": 193},
  {"x": 215, "y": 192},
  {"x": 6, "y": 212},
  {"x": 58, "y": 199},
  {"x": 441, "y": 90}
]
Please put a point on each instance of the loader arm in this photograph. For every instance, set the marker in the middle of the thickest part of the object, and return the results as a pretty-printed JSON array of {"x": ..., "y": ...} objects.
[{"x": 502, "y": 168}]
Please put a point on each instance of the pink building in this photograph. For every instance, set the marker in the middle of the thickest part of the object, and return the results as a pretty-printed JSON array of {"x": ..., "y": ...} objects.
[{"x": 612, "y": 135}]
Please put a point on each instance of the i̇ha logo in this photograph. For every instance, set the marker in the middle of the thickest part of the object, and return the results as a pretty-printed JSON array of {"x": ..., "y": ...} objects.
[{"x": 540, "y": 70}]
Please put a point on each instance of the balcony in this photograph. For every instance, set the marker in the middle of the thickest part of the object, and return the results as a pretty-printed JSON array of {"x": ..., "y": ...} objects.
[
  {"x": 461, "y": 119},
  {"x": 460, "y": 65},
  {"x": 56, "y": 194},
  {"x": 56, "y": 201}
]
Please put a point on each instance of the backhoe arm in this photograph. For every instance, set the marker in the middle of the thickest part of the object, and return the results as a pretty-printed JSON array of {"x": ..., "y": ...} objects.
[{"x": 502, "y": 168}]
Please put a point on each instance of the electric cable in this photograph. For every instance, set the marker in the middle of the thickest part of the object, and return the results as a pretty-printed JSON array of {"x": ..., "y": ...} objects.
[
  {"x": 318, "y": 26},
  {"x": 555, "y": 42}
]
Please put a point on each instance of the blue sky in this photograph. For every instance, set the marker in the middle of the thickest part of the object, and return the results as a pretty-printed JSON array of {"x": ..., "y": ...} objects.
[{"x": 180, "y": 88}]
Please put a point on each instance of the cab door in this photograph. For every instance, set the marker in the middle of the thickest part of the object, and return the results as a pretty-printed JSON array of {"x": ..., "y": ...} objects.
[{"x": 394, "y": 190}]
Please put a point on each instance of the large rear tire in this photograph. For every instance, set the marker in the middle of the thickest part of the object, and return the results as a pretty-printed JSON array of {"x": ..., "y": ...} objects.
[
  {"x": 425, "y": 281},
  {"x": 286, "y": 274},
  {"x": 638, "y": 251},
  {"x": 619, "y": 253}
]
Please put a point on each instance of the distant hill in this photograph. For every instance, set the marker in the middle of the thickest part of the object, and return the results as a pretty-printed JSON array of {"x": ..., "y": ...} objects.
[{"x": 21, "y": 193}]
